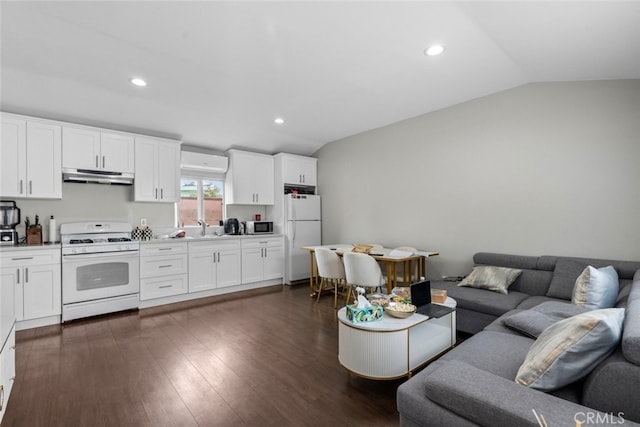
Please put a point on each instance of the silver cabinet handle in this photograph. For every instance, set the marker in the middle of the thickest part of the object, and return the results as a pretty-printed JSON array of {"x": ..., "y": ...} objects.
[
  {"x": 165, "y": 266},
  {"x": 30, "y": 187},
  {"x": 156, "y": 194},
  {"x": 1, "y": 397},
  {"x": 218, "y": 256},
  {"x": 18, "y": 273},
  {"x": 97, "y": 164},
  {"x": 20, "y": 186},
  {"x": 21, "y": 258},
  {"x": 165, "y": 249},
  {"x": 26, "y": 275},
  {"x": 103, "y": 162},
  {"x": 162, "y": 194},
  {"x": 165, "y": 286}
]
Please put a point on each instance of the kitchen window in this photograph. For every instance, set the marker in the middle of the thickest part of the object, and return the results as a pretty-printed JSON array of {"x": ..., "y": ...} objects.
[{"x": 200, "y": 198}]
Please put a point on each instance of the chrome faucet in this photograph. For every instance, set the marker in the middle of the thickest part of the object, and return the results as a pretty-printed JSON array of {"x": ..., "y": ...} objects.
[{"x": 204, "y": 227}]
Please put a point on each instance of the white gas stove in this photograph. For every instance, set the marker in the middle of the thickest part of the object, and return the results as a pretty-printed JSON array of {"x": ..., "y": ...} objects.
[{"x": 100, "y": 269}]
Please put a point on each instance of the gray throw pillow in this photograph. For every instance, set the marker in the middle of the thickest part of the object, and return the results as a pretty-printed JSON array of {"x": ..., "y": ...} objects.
[
  {"x": 491, "y": 278},
  {"x": 569, "y": 349},
  {"x": 596, "y": 288},
  {"x": 534, "y": 321}
]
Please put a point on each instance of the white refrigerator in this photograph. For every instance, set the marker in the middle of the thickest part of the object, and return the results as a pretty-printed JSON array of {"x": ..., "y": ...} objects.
[{"x": 302, "y": 228}]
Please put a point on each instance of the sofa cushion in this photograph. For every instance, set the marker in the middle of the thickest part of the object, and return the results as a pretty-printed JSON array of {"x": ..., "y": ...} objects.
[
  {"x": 534, "y": 321},
  {"x": 491, "y": 278},
  {"x": 631, "y": 333},
  {"x": 564, "y": 278},
  {"x": 567, "y": 270},
  {"x": 569, "y": 349},
  {"x": 596, "y": 288},
  {"x": 538, "y": 299},
  {"x": 486, "y": 302},
  {"x": 495, "y": 352}
]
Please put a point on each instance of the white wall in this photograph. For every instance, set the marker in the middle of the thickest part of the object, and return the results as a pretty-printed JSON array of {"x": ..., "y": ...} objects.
[{"x": 542, "y": 169}]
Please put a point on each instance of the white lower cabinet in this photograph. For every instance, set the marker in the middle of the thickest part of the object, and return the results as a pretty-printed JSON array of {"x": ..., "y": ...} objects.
[
  {"x": 36, "y": 277},
  {"x": 262, "y": 259},
  {"x": 7, "y": 369},
  {"x": 214, "y": 265},
  {"x": 163, "y": 270}
]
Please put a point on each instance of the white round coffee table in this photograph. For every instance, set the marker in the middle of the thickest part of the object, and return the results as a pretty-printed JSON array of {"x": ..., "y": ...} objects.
[{"x": 393, "y": 348}]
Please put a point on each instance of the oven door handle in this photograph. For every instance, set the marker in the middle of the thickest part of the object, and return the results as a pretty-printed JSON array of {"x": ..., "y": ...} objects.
[{"x": 78, "y": 257}]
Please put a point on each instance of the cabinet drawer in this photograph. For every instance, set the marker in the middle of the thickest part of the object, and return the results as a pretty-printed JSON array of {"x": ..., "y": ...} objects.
[
  {"x": 199, "y": 247},
  {"x": 154, "y": 266},
  {"x": 261, "y": 242},
  {"x": 163, "y": 286},
  {"x": 163, "y": 248},
  {"x": 25, "y": 259}
]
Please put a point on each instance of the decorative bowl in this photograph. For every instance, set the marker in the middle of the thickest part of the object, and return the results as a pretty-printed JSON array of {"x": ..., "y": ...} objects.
[{"x": 400, "y": 310}]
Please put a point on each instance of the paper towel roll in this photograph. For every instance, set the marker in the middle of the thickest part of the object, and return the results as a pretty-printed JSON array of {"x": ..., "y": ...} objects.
[{"x": 52, "y": 230}]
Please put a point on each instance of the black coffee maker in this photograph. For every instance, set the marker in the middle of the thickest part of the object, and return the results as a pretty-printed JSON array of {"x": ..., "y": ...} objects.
[
  {"x": 9, "y": 218},
  {"x": 231, "y": 226}
]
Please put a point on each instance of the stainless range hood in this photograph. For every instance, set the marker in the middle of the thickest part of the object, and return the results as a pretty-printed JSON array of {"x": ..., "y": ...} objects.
[{"x": 95, "y": 176}]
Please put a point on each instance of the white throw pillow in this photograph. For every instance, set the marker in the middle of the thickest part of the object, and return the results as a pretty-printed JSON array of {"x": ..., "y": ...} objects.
[
  {"x": 569, "y": 349},
  {"x": 596, "y": 288},
  {"x": 491, "y": 278}
]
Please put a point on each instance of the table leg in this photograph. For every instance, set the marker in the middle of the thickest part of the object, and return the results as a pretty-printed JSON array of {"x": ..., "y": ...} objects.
[
  {"x": 312, "y": 278},
  {"x": 390, "y": 277}
]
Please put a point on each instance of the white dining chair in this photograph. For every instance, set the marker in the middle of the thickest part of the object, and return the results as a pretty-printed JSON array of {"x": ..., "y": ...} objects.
[
  {"x": 331, "y": 272},
  {"x": 362, "y": 270}
]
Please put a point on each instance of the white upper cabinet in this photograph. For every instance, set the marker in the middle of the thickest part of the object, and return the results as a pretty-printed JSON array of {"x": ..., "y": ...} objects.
[
  {"x": 30, "y": 158},
  {"x": 93, "y": 149},
  {"x": 298, "y": 170},
  {"x": 157, "y": 170},
  {"x": 250, "y": 179}
]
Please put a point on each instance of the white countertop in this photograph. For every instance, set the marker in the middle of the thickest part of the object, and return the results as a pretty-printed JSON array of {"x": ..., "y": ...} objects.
[
  {"x": 209, "y": 238},
  {"x": 47, "y": 246}
]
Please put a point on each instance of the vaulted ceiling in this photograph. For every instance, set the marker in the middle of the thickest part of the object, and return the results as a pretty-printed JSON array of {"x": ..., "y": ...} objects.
[{"x": 219, "y": 73}]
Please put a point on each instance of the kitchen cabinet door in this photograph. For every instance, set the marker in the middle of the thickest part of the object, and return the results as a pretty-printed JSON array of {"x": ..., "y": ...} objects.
[
  {"x": 274, "y": 262},
  {"x": 117, "y": 152},
  {"x": 299, "y": 170},
  {"x": 41, "y": 292},
  {"x": 8, "y": 280},
  {"x": 7, "y": 370},
  {"x": 81, "y": 148},
  {"x": 157, "y": 170},
  {"x": 252, "y": 265},
  {"x": 168, "y": 171},
  {"x": 13, "y": 162},
  {"x": 202, "y": 270},
  {"x": 229, "y": 268},
  {"x": 44, "y": 160},
  {"x": 30, "y": 159},
  {"x": 250, "y": 179}
]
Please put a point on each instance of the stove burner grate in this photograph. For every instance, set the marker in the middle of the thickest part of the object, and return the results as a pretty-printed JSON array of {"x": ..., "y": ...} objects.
[
  {"x": 80, "y": 241},
  {"x": 119, "y": 239}
]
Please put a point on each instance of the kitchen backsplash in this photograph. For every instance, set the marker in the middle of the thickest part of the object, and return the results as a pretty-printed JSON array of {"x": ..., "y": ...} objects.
[{"x": 99, "y": 202}]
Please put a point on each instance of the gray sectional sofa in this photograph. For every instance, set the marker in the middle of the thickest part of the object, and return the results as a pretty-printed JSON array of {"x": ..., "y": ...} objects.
[{"x": 474, "y": 384}]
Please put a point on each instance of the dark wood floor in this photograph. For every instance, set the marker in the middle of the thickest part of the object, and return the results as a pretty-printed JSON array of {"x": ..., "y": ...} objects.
[{"x": 263, "y": 357}]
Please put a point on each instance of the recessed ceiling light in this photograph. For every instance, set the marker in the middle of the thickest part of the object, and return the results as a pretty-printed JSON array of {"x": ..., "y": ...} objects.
[
  {"x": 138, "y": 82},
  {"x": 434, "y": 50},
  {"x": 278, "y": 120}
]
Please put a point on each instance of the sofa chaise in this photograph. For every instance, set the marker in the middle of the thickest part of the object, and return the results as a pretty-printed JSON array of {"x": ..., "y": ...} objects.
[{"x": 475, "y": 383}]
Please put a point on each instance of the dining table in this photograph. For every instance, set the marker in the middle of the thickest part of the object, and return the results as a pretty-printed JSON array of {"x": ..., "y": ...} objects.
[{"x": 410, "y": 266}]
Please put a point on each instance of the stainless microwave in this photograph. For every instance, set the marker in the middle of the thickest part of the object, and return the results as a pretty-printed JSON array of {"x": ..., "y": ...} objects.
[{"x": 259, "y": 227}]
